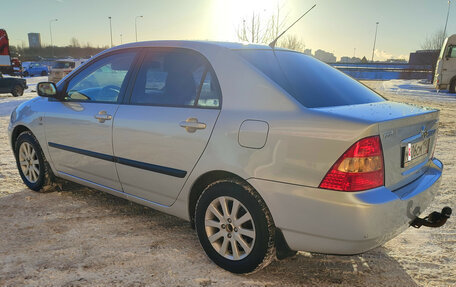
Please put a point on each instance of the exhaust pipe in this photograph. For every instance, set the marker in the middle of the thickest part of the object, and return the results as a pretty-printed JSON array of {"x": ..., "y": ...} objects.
[{"x": 435, "y": 219}]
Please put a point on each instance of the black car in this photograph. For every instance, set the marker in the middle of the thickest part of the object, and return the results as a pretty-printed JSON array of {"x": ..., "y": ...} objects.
[{"x": 14, "y": 86}]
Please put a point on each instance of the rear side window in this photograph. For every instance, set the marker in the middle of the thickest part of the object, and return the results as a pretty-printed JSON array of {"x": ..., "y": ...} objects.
[
  {"x": 311, "y": 82},
  {"x": 175, "y": 78}
]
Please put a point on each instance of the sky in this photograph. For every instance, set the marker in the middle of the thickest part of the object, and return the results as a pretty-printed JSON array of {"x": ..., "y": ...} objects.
[{"x": 345, "y": 28}]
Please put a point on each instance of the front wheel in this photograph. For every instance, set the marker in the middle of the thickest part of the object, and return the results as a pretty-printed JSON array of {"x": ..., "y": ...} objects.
[
  {"x": 31, "y": 163},
  {"x": 452, "y": 88},
  {"x": 17, "y": 91},
  {"x": 234, "y": 226}
]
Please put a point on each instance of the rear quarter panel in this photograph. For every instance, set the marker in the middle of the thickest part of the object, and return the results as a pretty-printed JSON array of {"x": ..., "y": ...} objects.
[{"x": 301, "y": 146}]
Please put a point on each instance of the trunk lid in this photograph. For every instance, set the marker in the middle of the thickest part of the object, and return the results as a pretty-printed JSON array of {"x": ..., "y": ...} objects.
[{"x": 401, "y": 128}]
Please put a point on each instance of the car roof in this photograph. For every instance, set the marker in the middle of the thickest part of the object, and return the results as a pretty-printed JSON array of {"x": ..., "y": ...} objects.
[{"x": 196, "y": 45}]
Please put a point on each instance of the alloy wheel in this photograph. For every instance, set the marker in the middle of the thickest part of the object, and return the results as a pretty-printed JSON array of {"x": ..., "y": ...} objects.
[
  {"x": 28, "y": 160},
  {"x": 230, "y": 228}
]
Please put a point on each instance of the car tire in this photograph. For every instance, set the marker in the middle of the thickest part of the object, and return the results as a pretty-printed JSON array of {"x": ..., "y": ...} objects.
[
  {"x": 452, "y": 89},
  {"x": 32, "y": 164},
  {"x": 26, "y": 74},
  {"x": 17, "y": 91},
  {"x": 242, "y": 242},
  {"x": 44, "y": 73}
]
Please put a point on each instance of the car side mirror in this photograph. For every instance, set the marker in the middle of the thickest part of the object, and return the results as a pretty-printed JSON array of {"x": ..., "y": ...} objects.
[{"x": 47, "y": 90}]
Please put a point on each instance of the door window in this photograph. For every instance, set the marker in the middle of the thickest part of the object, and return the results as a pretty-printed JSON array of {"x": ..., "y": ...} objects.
[
  {"x": 176, "y": 78},
  {"x": 102, "y": 80},
  {"x": 452, "y": 52}
]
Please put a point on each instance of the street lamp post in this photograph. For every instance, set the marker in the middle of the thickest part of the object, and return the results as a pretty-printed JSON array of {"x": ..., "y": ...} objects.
[
  {"x": 120, "y": 38},
  {"x": 375, "y": 40},
  {"x": 50, "y": 32},
  {"x": 110, "y": 29},
  {"x": 446, "y": 22},
  {"x": 136, "y": 27}
]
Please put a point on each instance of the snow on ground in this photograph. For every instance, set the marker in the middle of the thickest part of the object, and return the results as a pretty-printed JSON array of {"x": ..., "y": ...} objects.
[
  {"x": 414, "y": 88},
  {"x": 80, "y": 237}
]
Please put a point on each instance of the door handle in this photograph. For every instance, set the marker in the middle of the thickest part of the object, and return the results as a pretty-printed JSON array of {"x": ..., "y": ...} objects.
[
  {"x": 103, "y": 116},
  {"x": 192, "y": 124}
]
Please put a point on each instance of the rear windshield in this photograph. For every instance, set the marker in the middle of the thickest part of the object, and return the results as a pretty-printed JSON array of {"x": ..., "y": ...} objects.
[
  {"x": 63, "y": 65},
  {"x": 313, "y": 83}
]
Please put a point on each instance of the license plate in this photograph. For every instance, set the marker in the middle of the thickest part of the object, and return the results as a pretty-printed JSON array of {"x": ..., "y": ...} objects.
[{"x": 412, "y": 152}]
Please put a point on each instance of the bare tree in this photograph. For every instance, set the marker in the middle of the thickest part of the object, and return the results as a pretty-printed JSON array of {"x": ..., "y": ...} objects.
[
  {"x": 253, "y": 30},
  {"x": 293, "y": 43},
  {"x": 256, "y": 29},
  {"x": 74, "y": 42},
  {"x": 434, "y": 42}
]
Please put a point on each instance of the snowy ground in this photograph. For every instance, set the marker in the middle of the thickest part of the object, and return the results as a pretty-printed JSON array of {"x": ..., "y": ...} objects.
[{"x": 79, "y": 237}]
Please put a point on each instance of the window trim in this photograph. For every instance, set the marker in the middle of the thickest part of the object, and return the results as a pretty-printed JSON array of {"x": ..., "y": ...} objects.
[
  {"x": 62, "y": 88},
  {"x": 138, "y": 65}
]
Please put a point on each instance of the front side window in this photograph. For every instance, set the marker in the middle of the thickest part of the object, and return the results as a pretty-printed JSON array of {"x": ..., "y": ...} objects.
[
  {"x": 175, "y": 78},
  {"x": 102, "y": 80},
  {"x": 452, "y": 52}
]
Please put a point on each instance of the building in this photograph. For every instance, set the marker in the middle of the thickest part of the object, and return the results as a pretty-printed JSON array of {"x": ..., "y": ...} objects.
[
  {"x": 349, "y": 60},
  {"x": 325, "y": 56},
  {"x": 34, "y": 40},
  {"x": 308, "y": 52}
]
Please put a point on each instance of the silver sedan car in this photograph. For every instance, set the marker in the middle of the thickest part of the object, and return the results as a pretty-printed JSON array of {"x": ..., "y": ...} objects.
[{"x": 265, "y": 151}]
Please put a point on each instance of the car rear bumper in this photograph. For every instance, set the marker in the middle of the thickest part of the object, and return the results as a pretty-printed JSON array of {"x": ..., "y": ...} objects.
[{"x": 334, "y": 222}]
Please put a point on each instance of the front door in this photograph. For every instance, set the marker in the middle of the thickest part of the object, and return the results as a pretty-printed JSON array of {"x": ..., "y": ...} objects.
[
  {"x": 162, "y": 132},
  {"x": 79, "y": 129},
  {"x": 449, "y": 65}
]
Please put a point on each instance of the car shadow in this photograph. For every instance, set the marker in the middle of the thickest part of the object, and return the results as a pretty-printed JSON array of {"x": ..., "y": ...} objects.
[{"x": 167, "y": 234}]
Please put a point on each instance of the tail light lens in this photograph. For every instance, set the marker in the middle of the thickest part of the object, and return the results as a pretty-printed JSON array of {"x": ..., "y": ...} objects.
[{"x": 359, "y": 168}]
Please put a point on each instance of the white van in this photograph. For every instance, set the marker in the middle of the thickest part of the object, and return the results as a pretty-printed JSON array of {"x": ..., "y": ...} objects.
[
  {"x": 61, "y": 68},
  {"x": 445, "y": 71}
]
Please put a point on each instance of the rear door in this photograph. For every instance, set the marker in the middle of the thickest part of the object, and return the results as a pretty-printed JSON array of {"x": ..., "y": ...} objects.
[
  {"x": 79, "y": 128},
  {"x": 160, "y": 134}
]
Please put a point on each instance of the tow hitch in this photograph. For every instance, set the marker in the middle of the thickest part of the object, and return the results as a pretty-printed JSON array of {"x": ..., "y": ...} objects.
[{"x": 435, "y": 219}]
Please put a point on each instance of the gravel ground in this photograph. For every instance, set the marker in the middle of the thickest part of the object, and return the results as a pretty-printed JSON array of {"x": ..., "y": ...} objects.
[{"x": 82, "y": 237}]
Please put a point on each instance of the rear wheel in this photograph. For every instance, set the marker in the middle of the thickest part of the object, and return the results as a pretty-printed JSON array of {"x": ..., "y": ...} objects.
[
  {"x": 31, "y": 163},
  {"x": 17, "y": 91},
  {"x": 26, "y": 74},
  {"x": 44, "y": 73},
  {"x": 235, "y": 227}
]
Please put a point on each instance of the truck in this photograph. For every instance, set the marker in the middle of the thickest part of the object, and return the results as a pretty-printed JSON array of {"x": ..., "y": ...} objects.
[
  {"x": 8, "y": 65},
  {"x": 445, "y": 71}
]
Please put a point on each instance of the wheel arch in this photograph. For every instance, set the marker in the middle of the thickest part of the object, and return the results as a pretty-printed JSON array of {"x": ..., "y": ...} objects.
[
  {"x": 201, "y": 183},
  {"x": 16, "y": 132},
  {"x": 282, "y": 249},
  {"x": 452, "y": 83}
]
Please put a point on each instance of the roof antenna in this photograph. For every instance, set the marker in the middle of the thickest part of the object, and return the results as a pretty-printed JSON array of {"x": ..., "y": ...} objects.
[{"x": 273, "y": 43}]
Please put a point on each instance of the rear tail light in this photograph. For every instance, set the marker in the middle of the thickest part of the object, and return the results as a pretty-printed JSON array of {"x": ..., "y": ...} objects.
[{"x": 359, "y": 168}]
